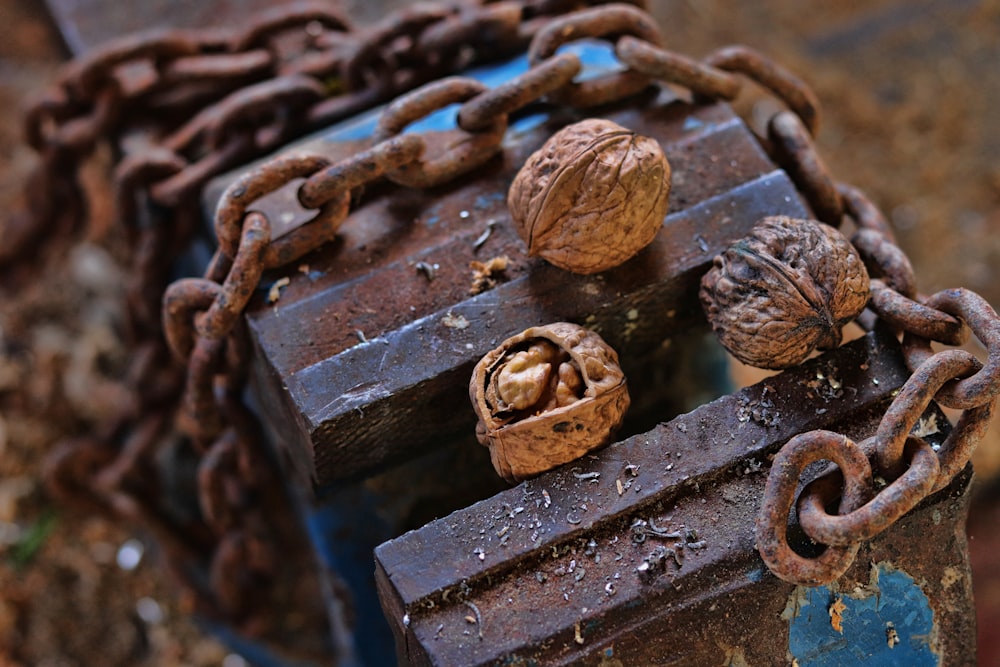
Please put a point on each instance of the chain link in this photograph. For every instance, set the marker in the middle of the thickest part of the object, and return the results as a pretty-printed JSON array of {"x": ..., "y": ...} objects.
[
  {"x": 613, "y": 20},
  {"x": 953, "y": 378},
  {"x": 265, "y": 96}
]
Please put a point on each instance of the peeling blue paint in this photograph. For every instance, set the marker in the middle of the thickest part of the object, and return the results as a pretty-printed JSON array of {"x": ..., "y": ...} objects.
[{"x": 888, "y": 623}]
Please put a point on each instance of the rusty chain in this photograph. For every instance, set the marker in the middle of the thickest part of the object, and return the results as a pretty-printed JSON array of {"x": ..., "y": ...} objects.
[
  {"x": 182, "y": 106},
  {"x": 907, "y": 468},
  {"x": 190, "y": 339}
]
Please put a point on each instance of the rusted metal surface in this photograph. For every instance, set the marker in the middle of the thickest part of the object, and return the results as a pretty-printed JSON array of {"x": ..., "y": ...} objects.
[
  {"x": 644, "y": 553},
  {"x": 349, "y": 416}
]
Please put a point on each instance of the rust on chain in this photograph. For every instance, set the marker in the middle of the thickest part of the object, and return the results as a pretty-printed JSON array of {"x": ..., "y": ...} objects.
[
  {"x": 953, "y": 378},
  {"x": 872, "y": 518},
  {"x": 298, "y": 15},
  {"x": 135, "y": 173},
  {"x": 152, "y": 247},
  {"x": 45, "y": 112},
  {"x": 237, "y": 363},
  {"x": 254, "y": 467},
  {"x": 699, "y": 78},
  {"x": 957, "y": 449},
  {"x": 982, "y": 319},
  {"x": 796, "y": 152},
  {"x": 886, "y": 260},
  {"x": 82, "y": 133},
  {"x": 905, "y": 314},
  {"x": 333, "y": 182},
  {"x": 138, "y": 445},
  {"x": 200, "y": 417},
  {"x": 911, "y": 402},
  {"x": 372, "y": 63},
  {"x": 183, "y": 187},
  {"x": 268, "y": 178},
  {"x": 217, "y": 67},
  {"x": 460, "y": 156},
  {"x": 789, "y": 88},
  {"x": 95, "y": 71},
  {"x": 218, "y": 267},
  {"x": 607, "y": 21},
  {"x": 480, "y": 112},
  {"x": 496, "y": 25},
  {"x": 864, "y": 212},
  {"x": 241, "y": 281},
  {"x": 344, "y": 106},
  {"x": 219, "y": 502},
  {"x": 156, "y": 374},
  {"x": 246, "y": 107},
  {"x": 228, "y": 576},
  {"x": 771, "y": 531},
  {"x": 182, "y": 301}
]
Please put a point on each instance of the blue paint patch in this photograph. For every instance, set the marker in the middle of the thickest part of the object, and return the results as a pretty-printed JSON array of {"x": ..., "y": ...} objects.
[
  {"x": 527, "y": 123},
  {"x": 488, "y": 201},
  {"x": 353, "y": 512},
  {"x": 692, "y": 123},
  {"x": 890, "y": 625}
]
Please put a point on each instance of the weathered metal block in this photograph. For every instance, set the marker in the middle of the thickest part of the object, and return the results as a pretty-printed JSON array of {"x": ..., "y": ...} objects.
[
  {"x": 644, "y": 553},
  {"x": 364, "y": 360}
]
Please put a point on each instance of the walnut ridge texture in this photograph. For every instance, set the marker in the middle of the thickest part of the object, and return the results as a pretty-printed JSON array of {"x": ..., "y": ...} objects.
[
  {"x": 786, "y": 289},
  {"x": 592, "y": 197}
]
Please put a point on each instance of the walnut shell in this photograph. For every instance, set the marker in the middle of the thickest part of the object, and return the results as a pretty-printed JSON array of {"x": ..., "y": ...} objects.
[
  {"x": 545, "y": 397},
  {"x": 592, "y": 197},
  {"x": 786, "y": 289}
]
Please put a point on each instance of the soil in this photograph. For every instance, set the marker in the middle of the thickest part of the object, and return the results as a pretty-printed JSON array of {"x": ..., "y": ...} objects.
[{"x": 908, "y": 90}]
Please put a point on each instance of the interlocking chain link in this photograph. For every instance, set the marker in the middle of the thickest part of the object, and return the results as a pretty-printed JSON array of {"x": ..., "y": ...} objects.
[
  {"x": 271, "y": 95},
  {"x": 954, "y": 378}
]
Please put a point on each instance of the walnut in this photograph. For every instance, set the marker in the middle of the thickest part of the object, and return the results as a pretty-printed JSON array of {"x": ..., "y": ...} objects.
[
  {"x": 786, "y": 289},
  {"x": 545, "y": 397},
  {"x": 592, "y": 197}
]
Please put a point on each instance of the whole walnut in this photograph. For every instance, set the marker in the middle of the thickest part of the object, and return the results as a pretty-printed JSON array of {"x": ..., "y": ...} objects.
[
  {"x": 545, "y": 397},
  {"x": 786, "y": 289},
  {"x": 592, "y": 197}
]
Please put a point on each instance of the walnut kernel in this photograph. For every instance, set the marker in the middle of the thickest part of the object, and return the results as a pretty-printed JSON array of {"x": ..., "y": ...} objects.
[
  {"x": 786, "y": 289},
  {"x": 592, "y": 197},
  {"x": 545, "y": 397}
]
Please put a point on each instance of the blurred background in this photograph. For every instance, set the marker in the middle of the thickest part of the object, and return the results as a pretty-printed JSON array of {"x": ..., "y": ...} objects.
[{"x": 910, "y": 92}]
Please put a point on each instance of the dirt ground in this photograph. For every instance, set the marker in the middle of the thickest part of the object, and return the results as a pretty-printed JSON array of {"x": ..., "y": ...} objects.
[{"x": 910, "y": 92}]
